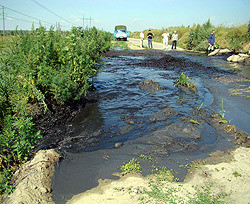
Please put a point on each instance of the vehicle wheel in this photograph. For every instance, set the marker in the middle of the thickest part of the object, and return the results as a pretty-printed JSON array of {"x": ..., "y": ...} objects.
[{"x": 125, "y": 39}]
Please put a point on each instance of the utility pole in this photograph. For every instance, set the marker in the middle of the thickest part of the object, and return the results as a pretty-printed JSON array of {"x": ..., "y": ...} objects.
[
  {"x": 89, "y": 19},
  {"x": 90, "y": 22},
  {"x": 83, "y": 22},
  {"x": 3, "y": 23}
]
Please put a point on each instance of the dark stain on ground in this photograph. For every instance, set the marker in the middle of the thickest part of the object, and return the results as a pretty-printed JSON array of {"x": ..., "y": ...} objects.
[{"x": 55, "y": 126}]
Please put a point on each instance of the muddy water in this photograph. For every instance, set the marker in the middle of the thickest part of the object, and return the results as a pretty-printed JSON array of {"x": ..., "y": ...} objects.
[{"x": 137, "y": 105}]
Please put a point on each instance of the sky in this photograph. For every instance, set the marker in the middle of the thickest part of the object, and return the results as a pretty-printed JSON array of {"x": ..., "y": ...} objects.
[{"x": 135, "y": 14}]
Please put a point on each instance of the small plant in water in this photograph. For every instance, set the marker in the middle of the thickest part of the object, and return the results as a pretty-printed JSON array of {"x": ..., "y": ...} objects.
[
  {"x": 184, "y": 80},
  {"x": 198, "y": 108},
  {"x": 194, "y": 121},
  {"x": 222, "y": 112},
  {"x": 145, "y": 157},
  {"x": 132, "y": 166}
]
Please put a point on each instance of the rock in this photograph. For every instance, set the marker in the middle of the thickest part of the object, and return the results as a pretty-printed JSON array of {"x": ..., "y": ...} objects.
[
  {"x": 240, "y": 58},
  {"x": 158, "y": 117},
  {"x": 149, "y": 85},
  {"x": 118, "y": 144},
  {"x": 188, "y": 90},
  {"x": 224, "y": 51},
  {"x": 229, "y": 59},
  {"x": 169, "y": 111},
  {"x": 125, "y": 129},
  {"x": 214, "y": 52},
  {"x": 243, "y": 55},
  {"x": 233, "y": 58}
]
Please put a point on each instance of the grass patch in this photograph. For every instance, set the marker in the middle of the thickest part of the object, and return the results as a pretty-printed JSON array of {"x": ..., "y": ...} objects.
[
  {"x": 120, "y": 44},
  {"x": 237, "y": 174},
  {"x": 132, "y": 166},
  {"x": 145, "y": 157},
  {"x": 184, "y": 80},
  {"x": 161, "y": 194}
]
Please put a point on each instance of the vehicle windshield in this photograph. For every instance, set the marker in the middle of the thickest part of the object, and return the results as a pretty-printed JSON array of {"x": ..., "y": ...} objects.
[{"x": 121, "y": 30}]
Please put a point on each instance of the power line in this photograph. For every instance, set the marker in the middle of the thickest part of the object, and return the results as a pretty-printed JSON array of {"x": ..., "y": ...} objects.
[
  {"x": 27, "y": 15},
  {"x": 3, "y": 22},
  {"x": 7, "y": 16},
  {"x": 52, "y": 12}
]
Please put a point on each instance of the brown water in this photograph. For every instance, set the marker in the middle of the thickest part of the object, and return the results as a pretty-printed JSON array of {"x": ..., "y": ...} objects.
[{"x": 152, "y": 122}]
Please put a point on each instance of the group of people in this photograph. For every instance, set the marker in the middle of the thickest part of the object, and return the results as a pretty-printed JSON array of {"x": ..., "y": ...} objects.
[
  {"x": 211, "y": 40},
  {"x": 165, "y": 39}
]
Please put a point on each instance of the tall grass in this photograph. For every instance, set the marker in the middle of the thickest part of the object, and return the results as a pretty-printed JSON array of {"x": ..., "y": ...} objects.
[{"x": 236, "y": 38}]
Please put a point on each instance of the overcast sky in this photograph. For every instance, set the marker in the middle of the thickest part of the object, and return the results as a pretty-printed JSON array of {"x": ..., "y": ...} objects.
[{"x": 135, "y": 14}]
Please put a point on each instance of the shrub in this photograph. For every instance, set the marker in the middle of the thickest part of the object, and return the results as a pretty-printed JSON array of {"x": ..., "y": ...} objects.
[
  {"x": 41, "y": 68},
  {"x": 238, "y": 36}
]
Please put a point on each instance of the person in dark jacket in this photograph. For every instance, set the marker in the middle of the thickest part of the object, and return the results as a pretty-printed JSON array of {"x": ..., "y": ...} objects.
[
  {"x": 211, "y": 41},
  {"x": 150, "y": 36}
]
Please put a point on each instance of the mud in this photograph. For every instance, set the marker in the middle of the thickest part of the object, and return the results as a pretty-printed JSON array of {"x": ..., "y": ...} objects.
[
  {"x": 135, "y": 109},
  {"x": 138, "y": 106},
  {"x": 56, "y": 125}
]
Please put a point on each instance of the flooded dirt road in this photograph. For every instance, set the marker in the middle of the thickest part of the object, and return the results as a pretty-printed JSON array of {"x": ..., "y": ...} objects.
[{"x": 136, "y": 110}]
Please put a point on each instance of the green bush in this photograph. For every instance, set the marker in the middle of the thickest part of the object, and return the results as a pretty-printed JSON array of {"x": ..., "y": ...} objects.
[
  {"x": 198, "y": 36},
  {"x": 39, "y": 69},
  {"x": 238, "y": 36}
]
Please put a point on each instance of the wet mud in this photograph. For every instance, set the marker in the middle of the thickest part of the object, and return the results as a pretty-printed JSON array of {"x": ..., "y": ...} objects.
[{"x": 137, "y": 110}]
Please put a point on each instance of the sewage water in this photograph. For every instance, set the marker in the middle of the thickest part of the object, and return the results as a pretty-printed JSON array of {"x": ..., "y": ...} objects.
[{"x": 151, "y": 122}]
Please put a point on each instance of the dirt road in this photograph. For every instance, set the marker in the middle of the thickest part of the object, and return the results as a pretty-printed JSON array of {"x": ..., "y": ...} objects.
[{"x": 135, "y": 44}]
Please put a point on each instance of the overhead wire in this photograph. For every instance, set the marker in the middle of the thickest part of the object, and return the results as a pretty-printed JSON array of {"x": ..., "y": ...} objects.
[
  {"x": 52, "y": 12},
  {"x": 7, "y": 16},
  {"x": 28, "y": 15}
]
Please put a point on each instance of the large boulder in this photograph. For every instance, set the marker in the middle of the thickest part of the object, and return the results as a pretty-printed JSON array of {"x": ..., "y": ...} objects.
[
  {"x": 233, "y": 58},
  {"x": 240, "y": 58}
]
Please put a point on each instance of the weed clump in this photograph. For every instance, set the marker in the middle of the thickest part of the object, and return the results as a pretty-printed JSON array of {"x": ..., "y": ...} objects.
[
  {"x": 132, "y": 166},
  {"x": 185, "y": 82}
]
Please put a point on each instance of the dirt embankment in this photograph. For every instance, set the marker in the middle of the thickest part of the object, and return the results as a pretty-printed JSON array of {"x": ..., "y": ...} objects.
[{"x": 33, "y": 180}]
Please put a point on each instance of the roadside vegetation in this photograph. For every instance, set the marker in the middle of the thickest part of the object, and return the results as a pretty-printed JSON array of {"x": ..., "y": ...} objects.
[
  {"x": 195, "y": 38},
  {"x": 40, "y": 70},
  {"x": 120, "y": 44},
  {"x": 161, "y": 190}
]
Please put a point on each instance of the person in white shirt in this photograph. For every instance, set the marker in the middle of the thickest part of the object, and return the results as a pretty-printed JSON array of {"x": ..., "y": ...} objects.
[
  {"x": 141, "y": 39},
  {"x": 165, "y": 40},
  {"x": 174, "y": 40}
]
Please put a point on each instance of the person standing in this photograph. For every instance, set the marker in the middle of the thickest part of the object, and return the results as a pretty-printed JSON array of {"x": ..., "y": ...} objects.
[
  {"x": 174, "y": 39},
  {"x": 141, "y": 39},
  {"x": 165, "y": 40},
  {"x": 211, "y": 41},
  {"x": 150, "y": 37}
]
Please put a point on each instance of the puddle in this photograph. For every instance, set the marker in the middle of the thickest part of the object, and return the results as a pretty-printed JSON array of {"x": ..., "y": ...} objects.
[{"x": 153, "y": 123}]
